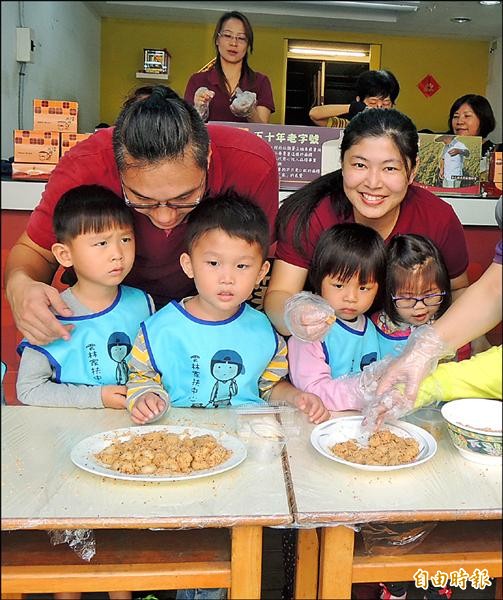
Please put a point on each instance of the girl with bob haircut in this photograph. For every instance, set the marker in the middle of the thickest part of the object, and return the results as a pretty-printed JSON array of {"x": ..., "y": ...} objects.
[
  {"x": 416, "y": 291},
  {"x": 348, "y": 267}
]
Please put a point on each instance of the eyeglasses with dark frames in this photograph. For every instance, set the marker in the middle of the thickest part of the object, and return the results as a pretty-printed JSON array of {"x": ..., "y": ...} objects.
[
  {"x": 428, "y": 300},
  {"x": 164, "y": 203}
]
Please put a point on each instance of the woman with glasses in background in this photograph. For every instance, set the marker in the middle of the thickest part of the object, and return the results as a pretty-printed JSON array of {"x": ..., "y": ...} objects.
[
  {"x": 163, "y": 160},
  {"x": 227, "y": 89}
]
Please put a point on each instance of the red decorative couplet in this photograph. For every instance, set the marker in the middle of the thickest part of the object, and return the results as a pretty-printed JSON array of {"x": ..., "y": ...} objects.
[{"x": 428, "y": 86}]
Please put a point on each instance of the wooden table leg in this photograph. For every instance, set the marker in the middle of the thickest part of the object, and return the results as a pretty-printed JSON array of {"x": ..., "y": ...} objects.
[
  {"x": 499, "y": 589},
  {"x": 336, "y": 562},
  {"x": 306, "y": 565},
  {"x": 246, "y": 563}
]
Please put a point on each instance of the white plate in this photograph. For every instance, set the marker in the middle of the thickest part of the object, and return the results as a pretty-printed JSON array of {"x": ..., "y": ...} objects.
[
  {"x": 83, "y": 453},
  {"x": 342, "y": 429}
]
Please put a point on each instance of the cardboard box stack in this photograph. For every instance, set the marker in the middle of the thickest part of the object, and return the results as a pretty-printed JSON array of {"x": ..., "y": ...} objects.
[{"x": 37, "y": 151}]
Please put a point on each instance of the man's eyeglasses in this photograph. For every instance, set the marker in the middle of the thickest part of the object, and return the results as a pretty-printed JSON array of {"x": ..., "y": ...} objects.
[
  {"x": 165, "y": 203},
  {"x": 229, "y": 37},
  {"x": 429, "y": 300}
]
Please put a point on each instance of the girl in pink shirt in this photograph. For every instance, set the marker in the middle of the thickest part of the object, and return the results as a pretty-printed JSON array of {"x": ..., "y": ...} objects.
[{"x": 347, "y": 270}]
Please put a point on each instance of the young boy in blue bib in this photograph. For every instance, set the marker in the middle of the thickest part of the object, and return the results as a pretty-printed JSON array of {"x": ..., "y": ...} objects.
[
  {"x": 94, "y": 232},
  {"x": 213, "y": 350}
]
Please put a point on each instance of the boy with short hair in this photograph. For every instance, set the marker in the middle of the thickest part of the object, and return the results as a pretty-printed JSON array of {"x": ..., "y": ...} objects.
[
  {"x": 94, "y": 232},
  {"x": 213, "y": 349}
]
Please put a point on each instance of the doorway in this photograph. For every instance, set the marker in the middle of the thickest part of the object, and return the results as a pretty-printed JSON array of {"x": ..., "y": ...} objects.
[{"x": 315, "y": 75}]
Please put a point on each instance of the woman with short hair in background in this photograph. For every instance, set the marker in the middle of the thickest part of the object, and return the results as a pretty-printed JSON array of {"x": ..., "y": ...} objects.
[{"x": 472, "y": 114}]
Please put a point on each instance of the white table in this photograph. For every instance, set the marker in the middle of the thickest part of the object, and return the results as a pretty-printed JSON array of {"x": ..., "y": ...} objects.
[
  {"x": 329, "y": 494},
  {"x": 42, "y": 489}
]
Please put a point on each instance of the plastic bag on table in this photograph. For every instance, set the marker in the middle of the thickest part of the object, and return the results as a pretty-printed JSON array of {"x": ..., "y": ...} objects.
[
  {"x": 81, "y": 541},
  {"x": 308, "y": 316},
  {"x": 394, "y": 538}
]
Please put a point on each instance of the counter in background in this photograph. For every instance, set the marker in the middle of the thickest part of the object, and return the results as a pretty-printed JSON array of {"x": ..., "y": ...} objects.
[
  {"x": 21, "y": 195},
  {"x": 25, "y": 195}
]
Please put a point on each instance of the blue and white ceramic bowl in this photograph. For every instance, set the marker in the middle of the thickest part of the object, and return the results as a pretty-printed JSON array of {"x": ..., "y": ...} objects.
[{"x": 475, "y": 428}]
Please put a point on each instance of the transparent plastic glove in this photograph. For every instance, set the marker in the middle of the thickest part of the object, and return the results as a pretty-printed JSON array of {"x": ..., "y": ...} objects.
[
  {"x": 244, "y": 103},
  {"x": 374, "y": 409},
  {"x": 202, "y": 99},
  {"x": 430, "y": 392},
  {"x": 308, "y": 316},
  {"x": 390, "y": 385},
  {"x": 418, "y": 360},
  {"x": 358, "y": 391}
]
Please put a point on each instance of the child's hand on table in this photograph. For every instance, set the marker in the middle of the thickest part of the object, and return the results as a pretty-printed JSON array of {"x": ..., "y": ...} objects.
[
  {"x": 114, "y": 396},
  {"x": 312, "y": 406},
  {"x": 147, "y": 408}
]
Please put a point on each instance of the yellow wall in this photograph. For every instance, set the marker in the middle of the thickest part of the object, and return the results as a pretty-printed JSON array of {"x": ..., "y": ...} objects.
[{"x": 459, "y": 66}]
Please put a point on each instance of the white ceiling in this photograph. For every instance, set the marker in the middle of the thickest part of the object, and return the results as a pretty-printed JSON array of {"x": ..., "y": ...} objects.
[{"x": 430, "y": 19}]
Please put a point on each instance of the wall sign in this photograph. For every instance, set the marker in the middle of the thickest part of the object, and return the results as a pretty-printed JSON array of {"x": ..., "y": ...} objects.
[
  {"x": 303, "y": 153},
  {"x": 429, "y": 86}
]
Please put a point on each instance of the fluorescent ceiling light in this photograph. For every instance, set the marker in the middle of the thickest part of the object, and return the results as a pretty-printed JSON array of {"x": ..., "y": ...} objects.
[
  {"x": 318, "y": 51},
  {"x": 392, "y": 6}
]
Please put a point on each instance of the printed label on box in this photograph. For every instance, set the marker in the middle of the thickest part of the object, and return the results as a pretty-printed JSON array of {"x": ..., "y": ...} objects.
[
  {"x": 69, "y": 140},
  {"x": 36, "y": 146},
  {"x": 55, "y": 115},
  {"x": 32, "y": 171}
]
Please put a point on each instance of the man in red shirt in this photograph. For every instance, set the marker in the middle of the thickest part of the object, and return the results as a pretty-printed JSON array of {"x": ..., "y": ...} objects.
[{"x": 163, "y": 160}]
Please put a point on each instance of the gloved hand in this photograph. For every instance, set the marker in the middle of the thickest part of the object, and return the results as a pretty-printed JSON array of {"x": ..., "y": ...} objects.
[
  {"x": 356, "y": 107},
  {"x": 202, "y": 99},
  {"x": 244, "y": 103},
  {"x": 391, "y": 404},
  {"x": 308, "y": 316},
  {"x": 398, "y": 384},
  {"x": 359, "y": 391}
]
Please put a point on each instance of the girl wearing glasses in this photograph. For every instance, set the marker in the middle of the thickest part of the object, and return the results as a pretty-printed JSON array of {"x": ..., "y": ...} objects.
[
  {"x": 417, "y": 290},
  {"x": 227, "y": 89}
]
